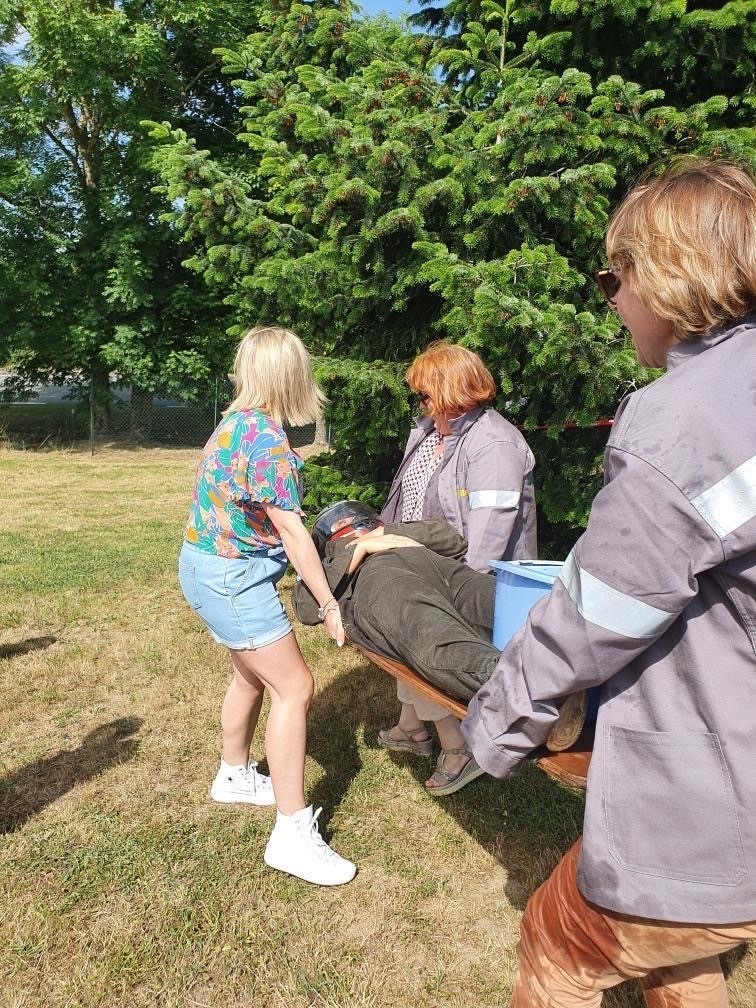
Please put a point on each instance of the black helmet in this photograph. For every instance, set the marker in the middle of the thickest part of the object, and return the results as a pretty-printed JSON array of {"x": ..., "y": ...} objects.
[{"x": 343, "y": 516}]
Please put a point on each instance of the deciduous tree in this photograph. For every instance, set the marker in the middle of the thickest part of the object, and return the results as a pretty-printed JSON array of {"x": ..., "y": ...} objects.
[{"x": 93, "y": 281}]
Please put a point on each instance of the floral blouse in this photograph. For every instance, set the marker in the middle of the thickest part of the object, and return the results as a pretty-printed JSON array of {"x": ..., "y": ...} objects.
[{"x": 246, "y": 462}]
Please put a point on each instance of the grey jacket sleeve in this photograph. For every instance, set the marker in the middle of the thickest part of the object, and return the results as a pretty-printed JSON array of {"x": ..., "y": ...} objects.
[
  {"x": 494, "y": 481},
  {"x": 623, "y": 585}
]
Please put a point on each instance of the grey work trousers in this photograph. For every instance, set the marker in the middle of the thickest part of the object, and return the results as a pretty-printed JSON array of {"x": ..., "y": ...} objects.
[{"x": 430, "y": 612}]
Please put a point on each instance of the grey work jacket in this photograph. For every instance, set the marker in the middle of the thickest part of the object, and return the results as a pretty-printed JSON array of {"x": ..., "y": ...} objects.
[
  {"x": 657, "y": 601},
  {"x": 485, "y": 486}
]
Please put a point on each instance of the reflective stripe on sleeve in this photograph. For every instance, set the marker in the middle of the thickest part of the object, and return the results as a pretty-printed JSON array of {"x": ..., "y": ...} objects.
[
  {"x": 603, "y": 605},
  {"x": 494, "y": 498},
  {"x": 731, "y": 502}
]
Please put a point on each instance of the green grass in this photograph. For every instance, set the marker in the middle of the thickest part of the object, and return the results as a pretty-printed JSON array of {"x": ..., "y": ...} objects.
[{"x": 123, "y": 886}]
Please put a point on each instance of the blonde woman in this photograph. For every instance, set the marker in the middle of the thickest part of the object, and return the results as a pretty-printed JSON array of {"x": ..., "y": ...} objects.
[{"x": 244, "y": 526}]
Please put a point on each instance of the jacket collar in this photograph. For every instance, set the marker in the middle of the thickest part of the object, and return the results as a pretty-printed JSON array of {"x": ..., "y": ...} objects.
[
  {"x": 686, "y": 349},
  {"x": 459, "y": 425}
]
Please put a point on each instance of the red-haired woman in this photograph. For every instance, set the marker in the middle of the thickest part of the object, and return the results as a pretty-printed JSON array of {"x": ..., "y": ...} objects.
[{"x": 468, "y": 465}]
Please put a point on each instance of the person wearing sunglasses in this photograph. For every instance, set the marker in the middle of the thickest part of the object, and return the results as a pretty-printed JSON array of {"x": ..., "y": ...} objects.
[
  {"x": 467, "y": 465},
  {"x": 656, "y": 604}
]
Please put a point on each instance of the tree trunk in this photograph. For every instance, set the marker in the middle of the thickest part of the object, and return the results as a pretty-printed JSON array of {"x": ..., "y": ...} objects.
[
  {"x": 321, "y": 431},
  {"x": 140, "y": 415}
]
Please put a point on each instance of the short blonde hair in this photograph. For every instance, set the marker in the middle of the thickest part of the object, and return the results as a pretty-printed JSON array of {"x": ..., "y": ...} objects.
[
  {"x": 687, "y": 241},
  {"x": 455, "y": 378},
  {"x": 273, "y": 373}
]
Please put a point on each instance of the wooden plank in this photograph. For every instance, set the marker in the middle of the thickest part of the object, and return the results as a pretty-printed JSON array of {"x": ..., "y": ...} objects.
[
  {"x": 399, "y": 671},
  {"x": 569, "y": 767}
]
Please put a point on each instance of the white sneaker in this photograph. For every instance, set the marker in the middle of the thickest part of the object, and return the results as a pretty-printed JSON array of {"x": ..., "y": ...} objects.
[
  {"x": 242, "y": 784},
  {"x": 295, "y": 846}
]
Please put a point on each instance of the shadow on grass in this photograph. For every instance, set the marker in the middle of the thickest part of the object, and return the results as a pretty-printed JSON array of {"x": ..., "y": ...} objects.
[
  {"x": 530, "y": 812},
  {"x": 356, "y": 699},
  {"x": 32, "y": 788},
  {"x": 26, "y": 646},
  {"x": 530, "y": 817}
]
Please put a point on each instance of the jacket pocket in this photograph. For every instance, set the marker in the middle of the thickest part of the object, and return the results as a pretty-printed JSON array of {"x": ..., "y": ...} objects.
[{"x": 670, "y": 806}]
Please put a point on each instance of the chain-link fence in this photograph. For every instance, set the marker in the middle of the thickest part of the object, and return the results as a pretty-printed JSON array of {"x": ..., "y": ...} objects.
[{"x": 58, "y": 416}]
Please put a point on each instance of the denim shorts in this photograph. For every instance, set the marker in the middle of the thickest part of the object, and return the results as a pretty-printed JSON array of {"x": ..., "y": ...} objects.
[{"x": 236, "y": 599}]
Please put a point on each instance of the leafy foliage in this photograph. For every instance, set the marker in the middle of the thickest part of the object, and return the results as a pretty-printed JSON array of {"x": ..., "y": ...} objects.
[
  {"x": 691, "y": 50},
  {"x": 326, "y": 481},
  {"x": 94, "y": 277},
  {"x": 353, "y": 389},
  {"x": 400, "y": 187},
  {"x": 372, "y": 187}
]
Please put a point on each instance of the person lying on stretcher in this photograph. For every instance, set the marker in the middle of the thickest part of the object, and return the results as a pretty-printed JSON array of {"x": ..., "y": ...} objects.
[{"x": 405, "y": 592}]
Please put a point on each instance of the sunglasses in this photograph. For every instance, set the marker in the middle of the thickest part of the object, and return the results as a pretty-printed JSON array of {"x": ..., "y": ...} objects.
[
  {"x": 608, "y": 283},
  {"x": 424, "y": 397}
]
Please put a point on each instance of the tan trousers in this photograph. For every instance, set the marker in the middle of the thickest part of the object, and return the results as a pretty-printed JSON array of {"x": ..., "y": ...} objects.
[
  {"x": 571, "y": 951},
  {"x": 425, "y": 709}
]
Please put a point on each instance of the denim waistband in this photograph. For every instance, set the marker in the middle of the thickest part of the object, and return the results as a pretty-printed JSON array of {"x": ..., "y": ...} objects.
[{"x": 268, "y": 551}]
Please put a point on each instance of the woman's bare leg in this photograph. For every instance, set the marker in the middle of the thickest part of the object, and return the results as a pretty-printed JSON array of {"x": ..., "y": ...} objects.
[
  {"x": 281, "y": 669},
  {"x": 240, "y": 712},
  {"x": 411, "y": 724},
  {"x": 295, "y": 845}
]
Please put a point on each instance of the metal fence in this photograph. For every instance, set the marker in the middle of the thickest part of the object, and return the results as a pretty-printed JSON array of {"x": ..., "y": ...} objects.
[{"x": 56, "y": 416}]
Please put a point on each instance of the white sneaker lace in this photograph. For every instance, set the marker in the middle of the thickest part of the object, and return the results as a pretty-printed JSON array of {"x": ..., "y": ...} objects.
[
  {"x": 258, "y": 781},
  {"x": 320, "y": 847}
]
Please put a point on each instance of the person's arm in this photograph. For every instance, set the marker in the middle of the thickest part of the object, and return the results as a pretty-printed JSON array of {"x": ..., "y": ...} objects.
[
  {"x": 623, "y": 585},
  {"x": 435, "y": 533},
  {"x": 304, "y": 558},
  {"x": 367, "y": 545},
  {"x": 494, "y": 481}
]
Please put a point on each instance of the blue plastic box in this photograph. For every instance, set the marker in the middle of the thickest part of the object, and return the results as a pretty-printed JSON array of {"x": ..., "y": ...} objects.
[{"x": 519, "y": 585}]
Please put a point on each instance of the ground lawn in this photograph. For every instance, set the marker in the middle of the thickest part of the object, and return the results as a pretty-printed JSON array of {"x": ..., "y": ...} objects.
[{"x": 122, "y": 884}]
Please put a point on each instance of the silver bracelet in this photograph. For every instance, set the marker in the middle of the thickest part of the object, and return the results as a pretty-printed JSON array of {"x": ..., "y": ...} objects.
[{"x": 323, "y": 610}]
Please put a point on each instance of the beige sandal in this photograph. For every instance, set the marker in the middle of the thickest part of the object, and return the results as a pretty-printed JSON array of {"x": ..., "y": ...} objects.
[
  {"x": 407, "y": 741},
  {"x": 448, "y": 783}
]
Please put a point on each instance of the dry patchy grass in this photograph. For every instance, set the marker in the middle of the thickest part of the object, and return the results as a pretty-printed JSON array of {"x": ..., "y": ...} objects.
[{"x": 122, "y": 884}]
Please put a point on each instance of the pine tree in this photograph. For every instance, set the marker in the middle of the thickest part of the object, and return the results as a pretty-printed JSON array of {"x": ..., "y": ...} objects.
[{"x": 401, "y": 187}]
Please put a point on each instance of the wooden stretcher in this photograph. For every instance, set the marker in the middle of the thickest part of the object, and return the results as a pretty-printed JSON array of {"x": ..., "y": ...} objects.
[{"x": 569, "y": 767}]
